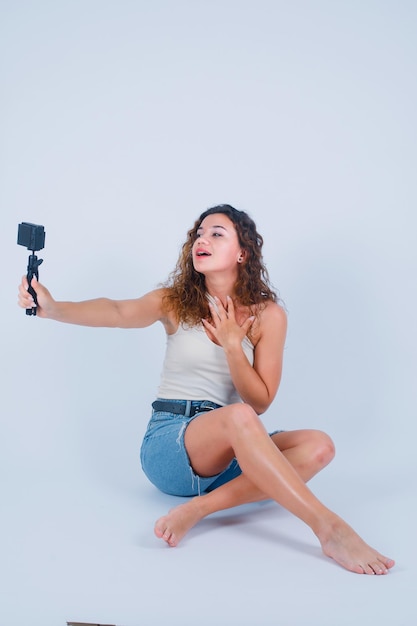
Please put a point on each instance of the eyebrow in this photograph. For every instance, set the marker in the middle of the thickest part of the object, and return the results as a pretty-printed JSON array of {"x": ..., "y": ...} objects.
[{"x": 211, "y": 227}]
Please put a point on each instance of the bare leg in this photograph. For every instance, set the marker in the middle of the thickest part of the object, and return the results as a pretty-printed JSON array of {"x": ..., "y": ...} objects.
[
  {"x": 308, "y": 451},
  {"x": 268, "y": 473}
]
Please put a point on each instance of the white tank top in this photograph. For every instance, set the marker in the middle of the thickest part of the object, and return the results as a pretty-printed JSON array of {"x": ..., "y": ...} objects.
[{"x": 195, "y": 368}]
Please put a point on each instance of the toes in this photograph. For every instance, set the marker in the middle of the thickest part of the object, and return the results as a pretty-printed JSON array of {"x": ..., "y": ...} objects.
[
  {"x": 378, "y": 568},
  {"x": 375, "y": 567},
  {"x": 385, "y": 564},
  {"x": 160, "y": 527},
  {"x": 158, "y": 532},
  {"x": 167, "y": 535},
  {"x": 381, "y": 565},
  {"x": 162, "y": 531}
]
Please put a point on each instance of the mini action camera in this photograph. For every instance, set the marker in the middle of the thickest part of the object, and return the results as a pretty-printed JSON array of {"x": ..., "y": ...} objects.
[{"x": 32, "y": 236}]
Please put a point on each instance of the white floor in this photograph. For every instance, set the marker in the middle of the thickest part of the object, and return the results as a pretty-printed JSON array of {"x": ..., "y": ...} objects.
[{"x": 77, "y": 545}]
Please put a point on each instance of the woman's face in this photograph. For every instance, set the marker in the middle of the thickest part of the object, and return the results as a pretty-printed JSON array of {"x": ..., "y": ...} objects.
[{"x": 216, "y": 247}]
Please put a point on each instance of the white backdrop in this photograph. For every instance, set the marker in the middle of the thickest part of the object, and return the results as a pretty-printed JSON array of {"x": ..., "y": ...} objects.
[{"x": 123, "y": 121}]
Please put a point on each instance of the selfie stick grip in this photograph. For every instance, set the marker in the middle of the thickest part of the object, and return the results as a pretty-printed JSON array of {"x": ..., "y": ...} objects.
[{"x": 33, "y": 265}]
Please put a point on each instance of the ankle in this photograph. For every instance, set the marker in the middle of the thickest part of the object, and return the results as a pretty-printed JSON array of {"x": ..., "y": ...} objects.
[
  {"x": 328, "y": 527},
  {"x": 201, "y": 505}
]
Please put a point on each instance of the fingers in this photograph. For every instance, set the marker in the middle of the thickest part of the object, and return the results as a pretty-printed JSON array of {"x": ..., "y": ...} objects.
[
  {"x": 207, "y": 324},
  {"x": 25, "y": 298},
  {"x": 230, "y": 306},
  {"x": 214, "y": 310},
  {"x": 248, "y": 323},
  {"x": 223, "y": 324},
  {"x": 217, "y": 309},
  {"x": 24, "y": 282},
  {"x": 222, "y": 311}
]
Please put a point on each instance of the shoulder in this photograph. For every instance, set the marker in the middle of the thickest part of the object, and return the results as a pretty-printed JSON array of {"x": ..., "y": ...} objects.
[
  {"x": 270, "y": 324},
  {"x": 274, "y": 312}
]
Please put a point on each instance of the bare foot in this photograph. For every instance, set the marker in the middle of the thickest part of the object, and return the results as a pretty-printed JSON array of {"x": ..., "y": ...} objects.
[
  {"x": 343, "y": 544},
  {"x": 338, "y": 540},
  {"x": 173, "y": 526}
]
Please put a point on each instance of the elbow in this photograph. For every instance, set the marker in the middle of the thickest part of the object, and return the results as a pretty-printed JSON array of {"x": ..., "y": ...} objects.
[
  {"x": 263, "y": 403},
  {"x": 261, "y": 407}
]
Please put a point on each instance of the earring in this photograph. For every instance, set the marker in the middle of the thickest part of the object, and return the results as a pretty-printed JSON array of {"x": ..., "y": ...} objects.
[{"x": 240, "y": 259}]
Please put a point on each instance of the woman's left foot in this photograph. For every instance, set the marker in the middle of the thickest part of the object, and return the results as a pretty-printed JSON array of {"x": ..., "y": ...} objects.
[{"x": 340, "y": 542}]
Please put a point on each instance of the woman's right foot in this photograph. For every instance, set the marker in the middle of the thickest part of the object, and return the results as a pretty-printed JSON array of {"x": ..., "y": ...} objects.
[{"x": 178, "y": 521}]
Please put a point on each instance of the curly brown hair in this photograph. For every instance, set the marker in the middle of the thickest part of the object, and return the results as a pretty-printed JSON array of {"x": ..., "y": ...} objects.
[{"x": 186, "y": 290}]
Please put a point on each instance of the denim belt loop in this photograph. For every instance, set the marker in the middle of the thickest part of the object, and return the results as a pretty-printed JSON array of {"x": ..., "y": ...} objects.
[{"x": 187, "y": 411}]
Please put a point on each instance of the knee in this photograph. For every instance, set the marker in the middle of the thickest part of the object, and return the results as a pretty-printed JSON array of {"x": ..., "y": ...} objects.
[
  {"x": 242, "y": 417},
  {"x": 324, "y": 449}
]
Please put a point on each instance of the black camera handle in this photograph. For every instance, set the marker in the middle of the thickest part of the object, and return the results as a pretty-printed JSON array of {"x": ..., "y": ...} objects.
[{"x": 33, "y": 264}]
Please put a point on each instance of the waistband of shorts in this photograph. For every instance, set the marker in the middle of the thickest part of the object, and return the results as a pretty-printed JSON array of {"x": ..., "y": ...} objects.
[{"x": 188, "y": 408}]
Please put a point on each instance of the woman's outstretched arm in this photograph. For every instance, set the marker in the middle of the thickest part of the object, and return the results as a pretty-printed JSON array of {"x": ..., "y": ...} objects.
[{"x": 100, "y": 312}]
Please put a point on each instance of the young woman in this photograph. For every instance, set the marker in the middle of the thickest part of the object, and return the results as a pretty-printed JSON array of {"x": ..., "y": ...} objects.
[{"x": 225, "y": 339}]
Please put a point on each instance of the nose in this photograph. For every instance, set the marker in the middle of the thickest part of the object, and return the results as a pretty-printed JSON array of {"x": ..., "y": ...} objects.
[{"x": 201, "y": 239}]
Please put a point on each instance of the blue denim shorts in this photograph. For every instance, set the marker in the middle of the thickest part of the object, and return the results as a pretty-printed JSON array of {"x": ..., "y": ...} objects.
[
  {"x": 163, "y": 455},
  {"x": 164, "y": 458}
]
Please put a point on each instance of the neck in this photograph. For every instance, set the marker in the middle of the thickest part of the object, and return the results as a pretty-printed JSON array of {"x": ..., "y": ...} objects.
[{"x": 220, "y": 288}]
